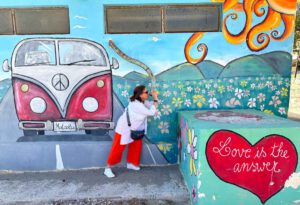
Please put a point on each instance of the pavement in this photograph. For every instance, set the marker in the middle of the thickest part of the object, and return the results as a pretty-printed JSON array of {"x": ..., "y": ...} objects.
[{"x": 151, "y": 185}]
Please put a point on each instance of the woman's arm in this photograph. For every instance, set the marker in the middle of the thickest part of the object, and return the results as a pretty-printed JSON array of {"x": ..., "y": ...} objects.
[
  {"x": 155, "y": 98},
  {"x": 142, "y": 109}
]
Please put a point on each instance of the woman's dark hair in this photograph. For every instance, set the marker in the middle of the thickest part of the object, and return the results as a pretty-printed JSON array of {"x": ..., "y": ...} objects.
[{"x": 138, "y": 90}]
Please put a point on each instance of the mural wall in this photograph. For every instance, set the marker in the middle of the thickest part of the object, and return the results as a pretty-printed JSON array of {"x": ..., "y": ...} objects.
[{"x": 246, "y": 65}]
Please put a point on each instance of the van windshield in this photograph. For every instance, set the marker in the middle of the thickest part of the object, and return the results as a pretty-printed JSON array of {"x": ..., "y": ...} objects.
[
  {"x": 35, "y": 53},
  {"x": 80, "y": 53}
]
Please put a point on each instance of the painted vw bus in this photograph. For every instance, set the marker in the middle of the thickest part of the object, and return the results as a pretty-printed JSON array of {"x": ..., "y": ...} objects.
[{"x": 62, "y": 85}]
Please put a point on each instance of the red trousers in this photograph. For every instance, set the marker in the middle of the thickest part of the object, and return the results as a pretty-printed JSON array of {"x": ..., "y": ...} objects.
[{"x": 116, "y": 151}]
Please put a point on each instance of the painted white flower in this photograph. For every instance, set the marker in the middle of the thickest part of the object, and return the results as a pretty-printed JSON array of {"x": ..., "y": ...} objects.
[
  {"x": 260, "y": 86},
  {"x": 124, "y": 93},
  {"x": 275, "y": 101},
  {"x": 252, "y": 102},
  {"x": 277, "y": 92},
  {"x": 261, "y": 97},
  {"x": 167, "y": 93},
  {"x": 279, "y": 82},
  {"x": 164, "y": 127},
  {"x": 273, "y": 87},
  {"x": 231, "y": 80},
  {"x": 207, "y": 86},
  {"x": 262, "y": 107},
  {"x": 157, "y": 115},
  {"x": 189, "y": 89},
  {"x": 197, "y": 90},
  {"x": 281, "y": 110},
  {"x": 119, "y": 85},
  {"x": 229, "y": 88},
  {"x": 199, "y": 184},
  {"x": 183, "y": 94},
  {"x": 187, "y": 103},
  {"x": 213, "y": 103},
  {"x": 166, "y": 109},
  {"x": 238, "y": 93},
  {"x": 246, "y": 93},
  {"x": 269, "y": 84},
  {"x": 174, "y": 93},
  {"x": 252, "y": 85},
  {"x": 211, "y": 93},
  {"x": 192, "y": 145},
  {"x": 215, "y": 85},
  {"x": 165, "y": 86}
]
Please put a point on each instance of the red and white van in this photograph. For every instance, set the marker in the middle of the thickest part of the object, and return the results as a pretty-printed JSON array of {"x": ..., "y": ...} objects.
[{"x": 62, "y": 85}]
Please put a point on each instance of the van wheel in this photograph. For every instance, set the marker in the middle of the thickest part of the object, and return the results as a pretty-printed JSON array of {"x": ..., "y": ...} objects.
[
  {"x": 33, "y": 132},
  {"x": 96, "y": 132}
]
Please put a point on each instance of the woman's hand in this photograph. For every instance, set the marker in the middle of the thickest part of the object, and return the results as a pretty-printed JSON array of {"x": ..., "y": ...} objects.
[{"x": 154, "y": 94}]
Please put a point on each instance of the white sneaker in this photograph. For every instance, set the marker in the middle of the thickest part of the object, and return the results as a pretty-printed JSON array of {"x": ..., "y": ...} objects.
[
  {"x": 131, "y": 166},
  {"x": 108, "y": 172}
]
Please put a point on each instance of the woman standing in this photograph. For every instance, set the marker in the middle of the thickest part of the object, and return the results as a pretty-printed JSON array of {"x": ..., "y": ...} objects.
[{"x": 139, "y": 108}]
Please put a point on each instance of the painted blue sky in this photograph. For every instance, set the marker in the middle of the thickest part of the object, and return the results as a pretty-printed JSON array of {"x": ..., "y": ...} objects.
[{"x": 158, "y": 51}]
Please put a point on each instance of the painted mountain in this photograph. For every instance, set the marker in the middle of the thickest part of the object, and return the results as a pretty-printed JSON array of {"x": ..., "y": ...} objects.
[
  {"x": 273, "y": 63},
  {"x": 277, "y": 62},
  {"x": 186, "y": 70}
]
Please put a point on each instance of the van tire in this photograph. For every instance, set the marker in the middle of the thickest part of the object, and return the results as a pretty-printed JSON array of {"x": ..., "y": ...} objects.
[
  {"x": 33, "y": 132},
  {"x": 97, "y": 132}
]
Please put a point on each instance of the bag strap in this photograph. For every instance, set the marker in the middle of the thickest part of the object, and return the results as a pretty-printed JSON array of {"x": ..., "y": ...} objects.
[{"x": 128, "y": 119}]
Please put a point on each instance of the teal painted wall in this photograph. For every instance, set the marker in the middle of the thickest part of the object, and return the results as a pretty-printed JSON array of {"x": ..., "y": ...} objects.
[{"x": 235, "y": 73}]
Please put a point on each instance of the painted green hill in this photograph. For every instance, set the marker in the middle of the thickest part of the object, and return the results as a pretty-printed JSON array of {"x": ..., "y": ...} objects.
[
  {"x": 251, "y": 65},
  {"x": 184, "y": 71},
  {"x": 210, "y": 69},
  {"x": 277, "y": 62},
  {"x": 280, "y": 61},
  {"x": 135, "y": 76}
]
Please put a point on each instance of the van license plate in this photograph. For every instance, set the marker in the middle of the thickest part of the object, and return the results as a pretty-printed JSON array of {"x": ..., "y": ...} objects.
[{"x": 64, "y": 126}]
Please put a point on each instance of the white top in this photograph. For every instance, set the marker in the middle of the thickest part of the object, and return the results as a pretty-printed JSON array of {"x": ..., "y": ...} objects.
[{"x": 138, "y": 113}]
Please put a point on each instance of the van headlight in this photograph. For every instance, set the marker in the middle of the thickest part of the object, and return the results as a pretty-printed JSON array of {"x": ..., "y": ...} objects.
[
  {"x": 90, "y": 104},
  {"x": 38, "y": 105}
]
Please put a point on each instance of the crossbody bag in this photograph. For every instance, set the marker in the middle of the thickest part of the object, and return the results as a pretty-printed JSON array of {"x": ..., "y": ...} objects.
[{"x": 134, "y": 134}]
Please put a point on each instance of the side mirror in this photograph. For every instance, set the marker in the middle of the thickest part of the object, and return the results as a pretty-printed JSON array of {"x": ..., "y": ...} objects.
[
  {"x": 115, "y": 63},
  {"x": 6, "y": 66}
]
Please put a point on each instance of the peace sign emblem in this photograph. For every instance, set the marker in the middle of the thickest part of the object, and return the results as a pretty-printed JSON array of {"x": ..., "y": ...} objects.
[{"x": 60, "y": 82}]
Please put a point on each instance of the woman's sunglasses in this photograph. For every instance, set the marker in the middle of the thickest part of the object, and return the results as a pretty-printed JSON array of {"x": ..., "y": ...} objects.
[{"x": 147, "y": 92}]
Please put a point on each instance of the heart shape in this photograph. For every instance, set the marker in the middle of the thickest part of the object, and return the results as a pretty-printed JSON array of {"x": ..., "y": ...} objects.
[{"x": 262, "y": 168}]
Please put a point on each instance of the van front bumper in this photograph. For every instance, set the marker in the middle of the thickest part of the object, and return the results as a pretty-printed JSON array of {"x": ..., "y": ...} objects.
[{"x": 69, "y": 125}]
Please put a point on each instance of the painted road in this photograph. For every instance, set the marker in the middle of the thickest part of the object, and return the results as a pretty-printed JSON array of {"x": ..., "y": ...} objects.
[{"x": 58, "y": 150}]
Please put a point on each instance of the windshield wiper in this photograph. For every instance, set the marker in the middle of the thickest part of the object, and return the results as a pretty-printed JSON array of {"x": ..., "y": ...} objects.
[
  {"x": 81, "y": 61},
  {"x": 34, "y": 64}
]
